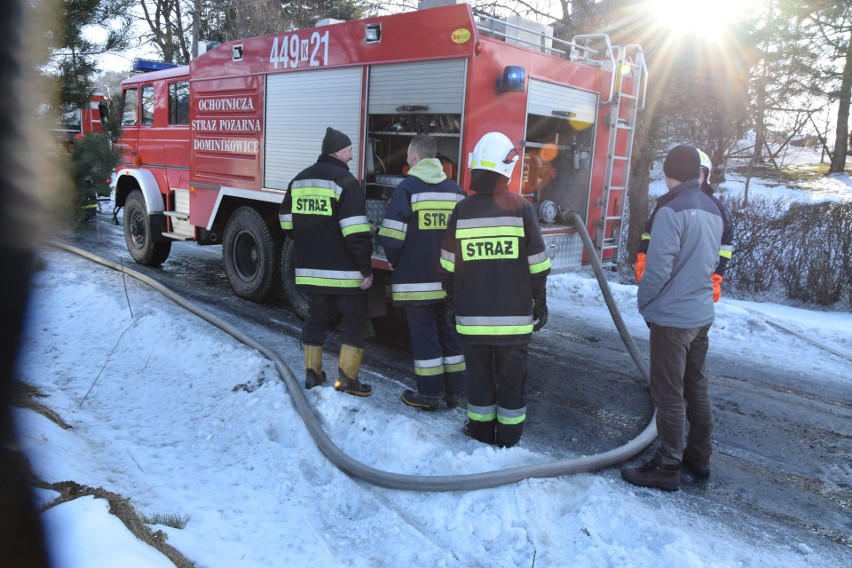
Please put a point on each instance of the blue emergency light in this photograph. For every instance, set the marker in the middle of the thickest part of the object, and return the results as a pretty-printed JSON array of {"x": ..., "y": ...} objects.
[
  {"x": 146, "y": 65},
  {"x": 513, "y": 79}
]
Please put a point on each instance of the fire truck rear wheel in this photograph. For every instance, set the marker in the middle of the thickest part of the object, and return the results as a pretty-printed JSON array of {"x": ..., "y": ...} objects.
[
  {"x": 251, "y": 250},
  {"x": 138, "y": 234},
  {"x": 298, "y": 301}
]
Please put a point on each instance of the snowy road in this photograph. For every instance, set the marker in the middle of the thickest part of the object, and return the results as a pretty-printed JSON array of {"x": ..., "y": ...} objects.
[{"x": 783, "y": 437}]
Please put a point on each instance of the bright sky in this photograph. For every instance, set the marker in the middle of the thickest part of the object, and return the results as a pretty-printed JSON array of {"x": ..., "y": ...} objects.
[
  {"x": 122, "y": 62},
  {"x": 699, "y": 16}
]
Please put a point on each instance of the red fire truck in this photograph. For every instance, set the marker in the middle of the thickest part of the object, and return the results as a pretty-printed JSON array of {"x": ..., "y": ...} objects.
[
  {"x": 211, "y": 147},
  {"x": 77, "y": 123}
]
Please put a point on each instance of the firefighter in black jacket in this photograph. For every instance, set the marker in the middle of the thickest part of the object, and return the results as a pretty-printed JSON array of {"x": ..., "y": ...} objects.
[
  {"x": 411, "y": 235},
  {"x": 324, "y": 211},
  {"x": 495, "y": 274}
]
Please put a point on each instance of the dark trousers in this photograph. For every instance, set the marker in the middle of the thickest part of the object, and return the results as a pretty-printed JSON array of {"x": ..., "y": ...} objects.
[
  {"x": 679, "y": 390},
  {"x": 323, "y": 309},
  {"x": 439, "y": 365},
  {"x": 496, "y": 392}
]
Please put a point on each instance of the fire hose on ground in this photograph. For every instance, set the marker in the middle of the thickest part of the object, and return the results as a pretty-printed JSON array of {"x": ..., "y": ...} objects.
[{"x": 462, "y": 482}]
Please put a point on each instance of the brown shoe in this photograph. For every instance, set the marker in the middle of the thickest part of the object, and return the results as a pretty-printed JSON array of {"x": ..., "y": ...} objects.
[
  {"x": 698, "y": 469},
  {"x": 653, "y": 474}
]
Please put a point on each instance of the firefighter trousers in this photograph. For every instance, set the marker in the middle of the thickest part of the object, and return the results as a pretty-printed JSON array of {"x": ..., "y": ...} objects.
[
  {"x": 323, "y": 310},
  {"x": 496, "y": 392},
  {"x": 439, "y": 365}
]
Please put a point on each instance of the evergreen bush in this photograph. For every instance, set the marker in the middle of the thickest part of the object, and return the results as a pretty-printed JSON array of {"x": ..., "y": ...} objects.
[{"x": 93, "y": 157}]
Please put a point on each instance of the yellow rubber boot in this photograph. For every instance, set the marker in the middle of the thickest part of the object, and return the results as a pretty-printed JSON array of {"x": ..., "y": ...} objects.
[
  {"x": 350, "y": 363},
  {"x": 314, "y": 375}
]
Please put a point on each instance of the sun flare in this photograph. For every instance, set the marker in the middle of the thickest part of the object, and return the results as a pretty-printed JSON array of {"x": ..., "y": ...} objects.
[{"x": 697, "y": 16}]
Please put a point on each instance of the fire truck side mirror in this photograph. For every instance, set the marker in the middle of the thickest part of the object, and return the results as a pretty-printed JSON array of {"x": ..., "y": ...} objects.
[{"x": 513, "y": 79}]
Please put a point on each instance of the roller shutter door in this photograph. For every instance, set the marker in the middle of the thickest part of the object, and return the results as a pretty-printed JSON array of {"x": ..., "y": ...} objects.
[
  {"x": 438, "y": 85},
  {"x": 299, "y": 107},
  {"x": 545, "y": 98}
]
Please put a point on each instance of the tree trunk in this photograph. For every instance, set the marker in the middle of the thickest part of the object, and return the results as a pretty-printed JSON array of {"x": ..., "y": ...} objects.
[
  {"x": 841, "y": 138},
  {"x": 640, "y": 178},
  {"x": 759, "y": 124},
  {"x": 637, "y": 186}
]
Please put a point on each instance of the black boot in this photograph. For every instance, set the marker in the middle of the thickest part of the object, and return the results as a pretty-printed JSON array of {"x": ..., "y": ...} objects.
[
  {"x": 484, "y": 432},
  {"x": 312, "y": 379},
  {"x": 347, "y": 372},
  {"x": 417, "y": 400},
  {"x": 351, "y": 386},
  {"x": 452, "y": 400},
  {"x": 314, "y": 375}
]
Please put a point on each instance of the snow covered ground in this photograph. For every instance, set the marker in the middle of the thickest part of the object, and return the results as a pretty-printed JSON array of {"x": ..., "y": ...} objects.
[
  {"x": 183, "y": 420},
  {"x": 835, "y": 187}
]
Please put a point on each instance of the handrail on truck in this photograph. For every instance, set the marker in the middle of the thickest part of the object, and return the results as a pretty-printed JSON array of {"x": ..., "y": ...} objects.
[{"x": 573, "y": 51}]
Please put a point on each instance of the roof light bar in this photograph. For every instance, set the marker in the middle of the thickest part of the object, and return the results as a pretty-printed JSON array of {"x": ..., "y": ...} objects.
[{"x": 146, "y": 65}]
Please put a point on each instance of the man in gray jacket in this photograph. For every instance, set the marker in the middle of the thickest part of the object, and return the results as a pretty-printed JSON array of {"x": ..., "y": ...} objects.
[{"x": 676, "y": 299}]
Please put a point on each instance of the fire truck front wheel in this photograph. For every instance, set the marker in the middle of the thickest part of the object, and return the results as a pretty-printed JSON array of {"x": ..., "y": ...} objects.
[
  {"x": 139, "y": 235},
  {"x": 251, "y": 252}
]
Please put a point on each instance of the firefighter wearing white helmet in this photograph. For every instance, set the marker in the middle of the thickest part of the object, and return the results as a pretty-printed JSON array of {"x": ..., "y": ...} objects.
[
  {"x": 494, "y": 152},
  {"x": 705, "y": 163},
  {"x": 727, "y": 247},
  {"x": 494, "y": 270}
]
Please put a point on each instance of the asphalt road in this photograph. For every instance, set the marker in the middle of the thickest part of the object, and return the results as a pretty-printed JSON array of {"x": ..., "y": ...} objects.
[{"x": 782, "y": 468}]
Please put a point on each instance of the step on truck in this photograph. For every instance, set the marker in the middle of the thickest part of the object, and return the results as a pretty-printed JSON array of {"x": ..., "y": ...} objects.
[{"x": 209, "y": 148}]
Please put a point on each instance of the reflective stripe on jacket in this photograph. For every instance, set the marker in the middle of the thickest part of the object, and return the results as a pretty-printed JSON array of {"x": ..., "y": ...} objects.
[
  {"x": 413, "y": 229},
  {"x": 494, "y": 263},
  {"x": 324, "y": 211}
]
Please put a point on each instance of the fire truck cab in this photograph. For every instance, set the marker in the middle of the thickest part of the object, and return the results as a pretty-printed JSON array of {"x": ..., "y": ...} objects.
[
  {"x": 75, "y": 124},
  {"x": 210, "y": 148}
]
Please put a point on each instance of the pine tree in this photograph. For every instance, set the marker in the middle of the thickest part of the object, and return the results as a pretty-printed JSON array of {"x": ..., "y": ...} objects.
[
  {"x": 831, "y": 25},
  {"x": 780, "y": 58},
  {"x": 74, "y": 54}
]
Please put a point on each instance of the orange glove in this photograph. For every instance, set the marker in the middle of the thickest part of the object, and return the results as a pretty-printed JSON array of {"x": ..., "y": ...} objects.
[
  {"x": 639, "y": 267},
  {"x": 717, "y": 286}
]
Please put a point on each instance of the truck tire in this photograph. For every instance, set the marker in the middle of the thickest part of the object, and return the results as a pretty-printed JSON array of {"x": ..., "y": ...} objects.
[
  {"x": 251, "y": 250},
  {"x": 297, "y": 300},
  {"x": 138, "y": 234}
]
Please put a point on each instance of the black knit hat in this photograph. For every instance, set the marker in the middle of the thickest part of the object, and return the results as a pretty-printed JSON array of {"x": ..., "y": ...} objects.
[
  {"x": 335, "y": 141},
  {"x": 682, "y": 163}
]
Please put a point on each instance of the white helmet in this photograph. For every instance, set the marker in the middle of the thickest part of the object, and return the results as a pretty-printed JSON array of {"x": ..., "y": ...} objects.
[
  {"x": 705, "y": 162},
  {"x": 494, "y": 152}
]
